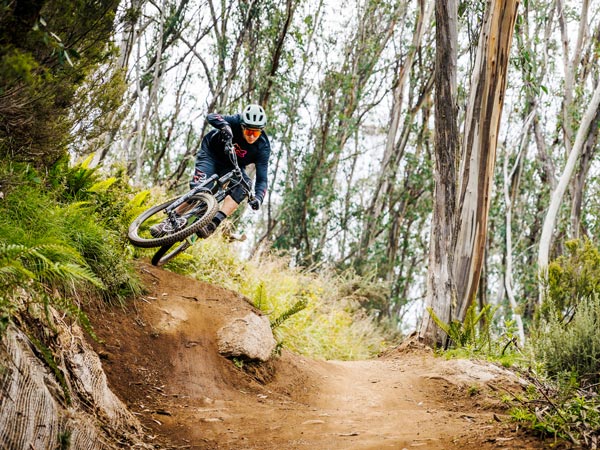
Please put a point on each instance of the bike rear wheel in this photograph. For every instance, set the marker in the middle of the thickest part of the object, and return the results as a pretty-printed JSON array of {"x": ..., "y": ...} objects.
[
  {"x": 163, "y": 255},
  {"x": 203, "y": 207}
]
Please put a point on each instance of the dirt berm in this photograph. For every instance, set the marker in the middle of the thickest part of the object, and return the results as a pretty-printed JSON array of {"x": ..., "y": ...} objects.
[{"x": 161, "y": 359}]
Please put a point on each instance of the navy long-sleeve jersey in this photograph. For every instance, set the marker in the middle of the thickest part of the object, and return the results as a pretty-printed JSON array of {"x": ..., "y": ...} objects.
[{"x": 257, "y": 153}]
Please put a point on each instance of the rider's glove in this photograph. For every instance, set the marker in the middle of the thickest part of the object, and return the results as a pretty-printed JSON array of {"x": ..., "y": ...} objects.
[
  {"x": 226, "y": 133},
  {"x": 254, "y": 204}
]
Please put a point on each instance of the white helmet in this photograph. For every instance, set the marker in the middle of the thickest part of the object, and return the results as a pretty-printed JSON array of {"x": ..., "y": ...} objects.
[{"x": 254, "y": 116}]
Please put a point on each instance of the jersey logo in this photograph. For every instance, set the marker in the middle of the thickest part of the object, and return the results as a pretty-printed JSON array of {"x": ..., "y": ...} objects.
[{"x": 239, "y": 151}]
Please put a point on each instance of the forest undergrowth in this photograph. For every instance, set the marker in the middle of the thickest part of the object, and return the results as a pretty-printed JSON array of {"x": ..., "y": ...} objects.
[
  {"x": 63, "y": 238},
  {"x": 66, "y": 232},
  {"x": 560, "y": 360}
]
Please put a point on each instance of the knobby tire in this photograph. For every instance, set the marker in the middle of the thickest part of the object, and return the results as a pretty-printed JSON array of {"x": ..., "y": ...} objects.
[
  {"x": 163, "y": 254},
  {"x": 208, "y": 208}
]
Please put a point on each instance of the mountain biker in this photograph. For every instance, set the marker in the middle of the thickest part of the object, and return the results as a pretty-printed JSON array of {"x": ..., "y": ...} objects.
[{"x": 251, "y": 144}]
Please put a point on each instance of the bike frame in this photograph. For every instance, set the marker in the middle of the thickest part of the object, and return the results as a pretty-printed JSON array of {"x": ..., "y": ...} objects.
[{"x": 219, "y": 187}]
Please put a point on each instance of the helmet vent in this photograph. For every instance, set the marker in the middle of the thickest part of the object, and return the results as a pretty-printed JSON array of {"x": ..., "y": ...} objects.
[{"x": 254, "y": 116}]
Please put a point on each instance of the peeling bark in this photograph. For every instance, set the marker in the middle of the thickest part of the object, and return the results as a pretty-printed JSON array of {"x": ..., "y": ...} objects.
[
  {"x": 476, "y": 175},
  {"x": 440, "y": 282},
  {"x": 37, "y": 408}
]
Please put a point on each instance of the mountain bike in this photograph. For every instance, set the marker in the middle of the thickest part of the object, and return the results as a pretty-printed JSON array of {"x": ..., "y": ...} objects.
[{"x": 181, "y": 229}]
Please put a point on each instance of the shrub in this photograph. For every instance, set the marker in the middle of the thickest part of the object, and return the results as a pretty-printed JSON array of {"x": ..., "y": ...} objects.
[
  {"x": 572, "y": 346},
  {"x": 31, "y": 218},
  {"x": 566, "y": 344},
  {"x": 48, "y": 49},
  {"x": 560, "y": 409},
  {"x": 573, "y": 276},
  {"x": 565, "y": 335}
]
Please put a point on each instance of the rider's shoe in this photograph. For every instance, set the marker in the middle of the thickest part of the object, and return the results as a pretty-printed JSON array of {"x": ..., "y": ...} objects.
[
  {"x": 166, "y": 226},
  {"x": 210, "y": 228},
  {"x": 207, "y": 230},
  {"x": 158, "y": 230}
]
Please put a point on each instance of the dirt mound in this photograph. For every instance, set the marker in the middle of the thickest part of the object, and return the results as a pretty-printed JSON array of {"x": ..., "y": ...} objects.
[{"x": 161, "y": 359}]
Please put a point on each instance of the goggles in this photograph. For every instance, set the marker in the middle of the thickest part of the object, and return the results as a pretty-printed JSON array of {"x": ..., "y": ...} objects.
[{"x": 251, "y": 132}]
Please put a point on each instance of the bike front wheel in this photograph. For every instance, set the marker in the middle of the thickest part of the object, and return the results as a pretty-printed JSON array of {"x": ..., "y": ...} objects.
[{"x": 202, "y": 207}]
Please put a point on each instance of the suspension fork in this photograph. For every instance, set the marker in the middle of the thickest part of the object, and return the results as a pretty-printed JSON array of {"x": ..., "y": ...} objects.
[{"x": 204, "y": 187}]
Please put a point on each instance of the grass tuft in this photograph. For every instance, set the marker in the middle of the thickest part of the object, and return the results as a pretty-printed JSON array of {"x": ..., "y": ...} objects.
[{"x": 312, "y": 314}]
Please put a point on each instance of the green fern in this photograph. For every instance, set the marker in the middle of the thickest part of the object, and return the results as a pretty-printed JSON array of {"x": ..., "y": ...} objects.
[
  {"x": 260, "y": 296},
  {"x": 136, "y": 205},
  {"x": 296, "y": 308},
  {"x": 470, "y": 332},
  {"x": 47, "y": 263},
  {"x": 60, "y": 233},
  {"x": 38, "y": 268},
  {"x": 80, "y": 177},
  {"x": 103, "y": 185},
  {"x": 140, "y": 199}
]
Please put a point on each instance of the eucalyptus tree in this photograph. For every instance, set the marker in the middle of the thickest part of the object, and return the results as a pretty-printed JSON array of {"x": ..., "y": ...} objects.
[
  {"x": 526, "y": 178},
  {"x": 374, "y": 220},
  {"x": 149, "y": 34},
  {"x": 533, "y": 146},
  {"x": 579, "y": 72},
  {"x": 266, "y": 49},
  {"x": 294, "y": 85},
  {"x": 394, "y": 242},
  {"x": 457, "y": 268},
  {"x": 584, "y": 131},
  {"x": 441, "y": 287},
  {"x": 391, "y": 197},
  {"x": 517, "y": 205},
  {"x": 344, "y": 92}
]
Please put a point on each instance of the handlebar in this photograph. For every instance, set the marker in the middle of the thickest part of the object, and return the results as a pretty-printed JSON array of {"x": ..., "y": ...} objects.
[{"x": 229, "y": 149}]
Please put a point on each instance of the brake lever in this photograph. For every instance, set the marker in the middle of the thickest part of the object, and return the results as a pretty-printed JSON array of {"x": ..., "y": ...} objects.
[{"x": 231, "y": 153}]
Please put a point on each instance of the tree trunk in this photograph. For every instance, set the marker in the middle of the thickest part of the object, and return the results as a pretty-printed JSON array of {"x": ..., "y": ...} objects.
[
  {"x": 459, "y": 230},
  {"x": 480, "y": 139},
  {"x": 557, "y": 196},
  {"x": 440, "y": 283},
  {"x": 579, "y": 181},
  {"x": 510, "y": 188}
]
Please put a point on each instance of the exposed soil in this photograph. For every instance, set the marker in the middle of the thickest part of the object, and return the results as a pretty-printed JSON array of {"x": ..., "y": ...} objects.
[{"x": 161, "y": 359}]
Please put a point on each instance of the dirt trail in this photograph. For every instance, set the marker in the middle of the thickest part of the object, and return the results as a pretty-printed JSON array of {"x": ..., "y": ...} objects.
[{"x": 160, "y": 357}]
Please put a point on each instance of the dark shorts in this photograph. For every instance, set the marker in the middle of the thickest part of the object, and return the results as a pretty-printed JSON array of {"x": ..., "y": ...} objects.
[{"x": 207, "y": 165}]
